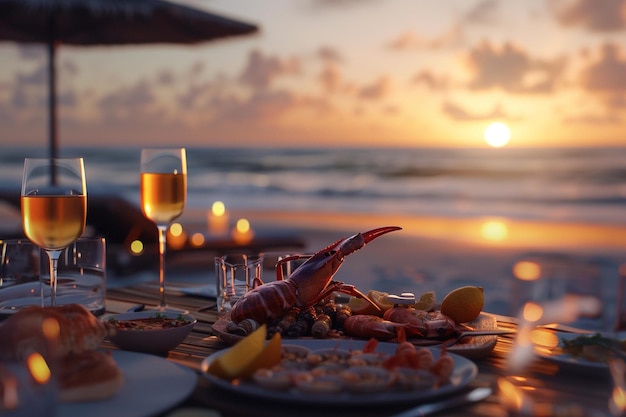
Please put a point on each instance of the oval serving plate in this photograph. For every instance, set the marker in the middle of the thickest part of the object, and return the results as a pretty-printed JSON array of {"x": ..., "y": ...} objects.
[
  {"x": 475, "y": 347},
  {"x": 465, "y": 371},
  {"x": 570, "y": 363}
]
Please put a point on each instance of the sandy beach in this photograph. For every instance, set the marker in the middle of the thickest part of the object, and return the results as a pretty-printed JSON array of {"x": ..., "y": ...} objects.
[{"x": 439, "y": 254}]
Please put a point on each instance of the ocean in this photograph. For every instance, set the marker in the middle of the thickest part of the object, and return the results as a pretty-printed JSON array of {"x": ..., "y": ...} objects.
[
  {"x": 553, "y": 185},
  {"x": 577, "y": 184}
]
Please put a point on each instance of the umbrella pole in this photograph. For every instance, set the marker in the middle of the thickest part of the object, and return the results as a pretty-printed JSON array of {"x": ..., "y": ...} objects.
[{"x": 52, "y": 111}]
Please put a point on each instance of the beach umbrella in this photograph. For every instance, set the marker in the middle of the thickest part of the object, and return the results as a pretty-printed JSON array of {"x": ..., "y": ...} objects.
[{"x": 107, "y": 22}]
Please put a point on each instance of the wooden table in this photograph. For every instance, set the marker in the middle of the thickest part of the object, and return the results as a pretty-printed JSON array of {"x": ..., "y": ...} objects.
[{"x": 559, "y": 392}]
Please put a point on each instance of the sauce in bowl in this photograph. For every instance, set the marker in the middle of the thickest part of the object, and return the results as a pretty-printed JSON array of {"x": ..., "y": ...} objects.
[{"x": 158, "y": 322}]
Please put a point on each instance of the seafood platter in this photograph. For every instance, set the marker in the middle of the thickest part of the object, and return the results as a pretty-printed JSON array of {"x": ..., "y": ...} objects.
[
  {"x": 337, "y": 372},
  {"x": 292, "y": 340},
  {"x": 302, "y": 306}
]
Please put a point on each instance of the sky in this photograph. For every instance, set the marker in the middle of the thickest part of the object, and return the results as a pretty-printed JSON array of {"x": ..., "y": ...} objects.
[{"x": 326, "y": 73}]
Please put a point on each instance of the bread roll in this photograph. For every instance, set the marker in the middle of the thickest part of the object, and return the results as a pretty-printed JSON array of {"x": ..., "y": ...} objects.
[
  {"x": 25, "y": 331},
  {"x": 88, "y": 376}
]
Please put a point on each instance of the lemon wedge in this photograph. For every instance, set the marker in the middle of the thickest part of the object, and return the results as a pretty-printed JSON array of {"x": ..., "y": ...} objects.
[{"x": 240, "y": 357}]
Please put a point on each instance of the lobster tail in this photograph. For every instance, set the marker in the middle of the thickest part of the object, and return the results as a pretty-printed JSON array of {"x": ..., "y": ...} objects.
[{"x": 267, "y": 302}]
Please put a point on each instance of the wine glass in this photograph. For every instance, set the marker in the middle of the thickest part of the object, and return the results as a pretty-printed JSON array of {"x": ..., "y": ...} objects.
[
  {"x": 54, "y": 206},
  {"x": 163, "y": 191}
]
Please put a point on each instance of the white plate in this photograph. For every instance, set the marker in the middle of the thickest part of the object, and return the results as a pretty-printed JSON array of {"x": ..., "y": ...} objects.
[
  {"x": 152, "y": 385},
  {"x": 465, "y": 371},
  {"x": 570, "y": 363}
]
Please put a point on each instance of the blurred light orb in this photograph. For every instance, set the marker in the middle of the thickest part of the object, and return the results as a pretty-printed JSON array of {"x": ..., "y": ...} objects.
[
  {"x": 136, "y": 247},
  {"x": 176, "y": 229},
  {"x": 218, "y": 208},
  {"x": 532, "y": 312},
  {"x": 197, "y": 239},
  {"x": 243, "y": 226},
  {"x": 497, "y": 134},
  {"x": 527, "y": 270}
]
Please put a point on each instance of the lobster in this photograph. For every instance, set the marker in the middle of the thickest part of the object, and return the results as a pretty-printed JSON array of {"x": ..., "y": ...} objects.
[{"x": 307, "y": 284}]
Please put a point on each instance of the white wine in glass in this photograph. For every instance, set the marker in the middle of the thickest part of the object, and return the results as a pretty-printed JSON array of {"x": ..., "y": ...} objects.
[
  {"x": 54, "y": 206},
  {"x": 163, "y": 192}
]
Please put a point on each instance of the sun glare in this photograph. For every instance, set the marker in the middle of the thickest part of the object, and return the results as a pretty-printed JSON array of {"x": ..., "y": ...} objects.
[{"x": 497, "y": 134}]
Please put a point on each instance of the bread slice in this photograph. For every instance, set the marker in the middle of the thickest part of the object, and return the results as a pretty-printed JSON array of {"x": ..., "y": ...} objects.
[{"x": 88, "y": 376}]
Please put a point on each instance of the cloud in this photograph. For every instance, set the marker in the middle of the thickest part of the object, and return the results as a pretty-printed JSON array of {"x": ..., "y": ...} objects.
[
  {"x": 593, "y": 119},
  {"x": 261, "y": 70},
  {"x": 431, "y": 80},
  {"x": 329, "y": 54},
  {"x": 459, "y": 114},
  {"x": 482, "y": 13},
  {"x": 331, "y": 78},
  {"x": 607, "y": 73},
  {"x": 128, "y": 103},
  {"x": 511, "y": 69},
  {"x": 593, "y": 15},
  {"x": 378, "y": 89},
  {"x": 409, "y": 40}
]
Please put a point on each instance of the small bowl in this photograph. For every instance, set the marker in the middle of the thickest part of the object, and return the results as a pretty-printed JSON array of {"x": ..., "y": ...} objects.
[{"x": 134, "y": 331}]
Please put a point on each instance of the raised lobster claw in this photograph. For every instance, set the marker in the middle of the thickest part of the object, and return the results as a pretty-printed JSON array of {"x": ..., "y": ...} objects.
[
  {"x": 327, "y": 261},
  {"x": 308, "y": 284}
]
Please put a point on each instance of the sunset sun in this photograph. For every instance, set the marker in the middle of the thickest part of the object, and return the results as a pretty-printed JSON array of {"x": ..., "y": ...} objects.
[{"x": 497, "y": 134}]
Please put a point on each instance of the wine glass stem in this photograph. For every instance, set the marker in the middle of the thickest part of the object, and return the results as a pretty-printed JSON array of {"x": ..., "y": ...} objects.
[
  {"x": 53, "y": 259},
  {"x": 162, "y": 245}
]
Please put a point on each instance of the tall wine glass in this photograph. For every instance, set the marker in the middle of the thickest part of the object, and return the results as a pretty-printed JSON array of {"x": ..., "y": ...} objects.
[
  {"x": 54, "y": 206},
  {"x": 163, "y": 191}
]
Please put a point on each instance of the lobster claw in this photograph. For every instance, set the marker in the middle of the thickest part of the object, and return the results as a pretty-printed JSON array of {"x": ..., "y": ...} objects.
[{"x": 375, "y": 233}]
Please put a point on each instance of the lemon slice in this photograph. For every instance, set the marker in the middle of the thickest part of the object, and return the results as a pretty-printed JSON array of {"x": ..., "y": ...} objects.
[
  {"x": 361, "y": 306},
  {"x": 426, "y": 302},
  {"x": 380, "y": 299}
]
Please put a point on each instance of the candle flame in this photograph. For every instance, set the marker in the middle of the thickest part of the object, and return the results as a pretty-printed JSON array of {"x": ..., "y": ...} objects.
[
  {"x": 242, "y": 232},
  {"x": 243, "y": 226},
  {"x": 511, "y": 397},
  {"x": 218, "y": 208},
  {"x": 38, "y": 368},
  {"x": 617, "y": 401},
  {"x": 136, "y": 247},
  {"x": 176, "y": 229}
]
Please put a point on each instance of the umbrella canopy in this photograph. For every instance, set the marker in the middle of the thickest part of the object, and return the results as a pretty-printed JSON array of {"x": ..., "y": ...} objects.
[{"x": 107, "y": 22}]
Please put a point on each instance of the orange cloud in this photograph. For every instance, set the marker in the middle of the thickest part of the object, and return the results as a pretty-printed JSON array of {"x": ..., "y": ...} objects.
[
  {"x": 262, "y": 69},
  {"x": 510, "y": 67},
  {"x": 456, "y": 112},
  {"x": 594, "y": 15}
]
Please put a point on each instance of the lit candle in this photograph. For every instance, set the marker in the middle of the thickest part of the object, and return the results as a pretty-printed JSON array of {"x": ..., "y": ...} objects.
[
  {"x": 176, "y": 236},
  {"x": 243, "y": 233},
  {"x": 218, "y": 219}
]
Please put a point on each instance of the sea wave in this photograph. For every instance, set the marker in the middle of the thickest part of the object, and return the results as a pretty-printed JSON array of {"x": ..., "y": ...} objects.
[{"x": 578, "y": 184}]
